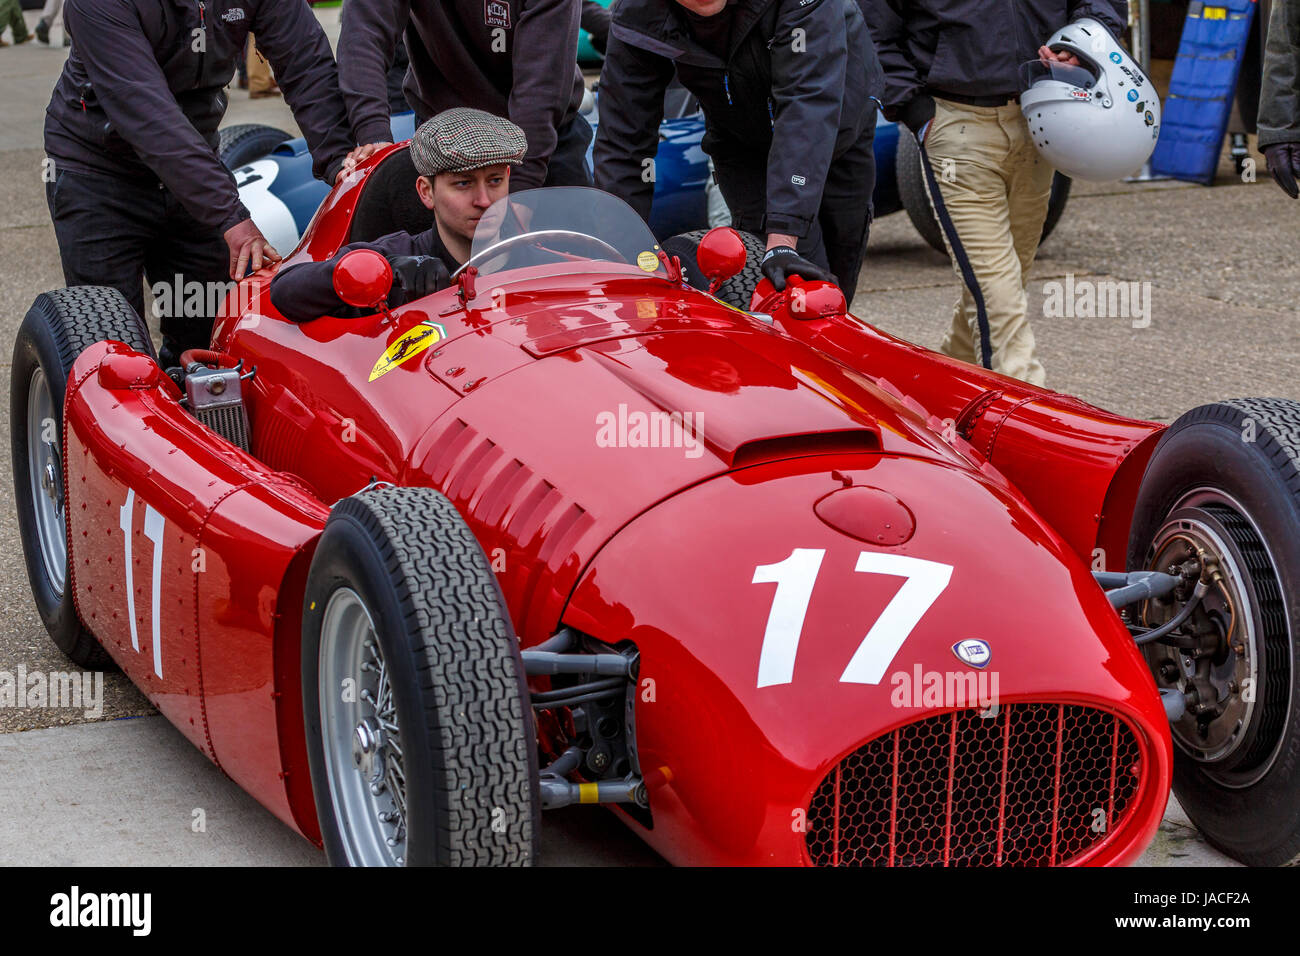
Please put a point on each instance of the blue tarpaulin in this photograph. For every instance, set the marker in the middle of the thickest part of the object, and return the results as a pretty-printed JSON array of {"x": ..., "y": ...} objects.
[{"x": 1201, "y": 89}]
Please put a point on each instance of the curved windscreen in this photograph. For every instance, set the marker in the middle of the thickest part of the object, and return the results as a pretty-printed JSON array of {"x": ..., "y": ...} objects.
[
  {"x": 564, "y": 226},
  {"x": 1035, "y": 70}
]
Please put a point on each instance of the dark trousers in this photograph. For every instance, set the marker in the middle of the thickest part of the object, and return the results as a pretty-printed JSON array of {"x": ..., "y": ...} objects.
[
  {"x": 837, "y": 238},
  {"x": 117, "y": 233}
]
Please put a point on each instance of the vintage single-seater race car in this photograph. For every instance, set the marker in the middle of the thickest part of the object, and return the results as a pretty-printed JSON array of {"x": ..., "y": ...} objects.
[{"x": 776, "y": 586}]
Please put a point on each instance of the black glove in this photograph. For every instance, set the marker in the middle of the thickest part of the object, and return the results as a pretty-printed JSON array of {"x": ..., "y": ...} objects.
[
  {"x": 1283, "y": 160},
  {"x": 916, "y": 112},
  {"x": 414, "y": 277},
  {"x": 781, "y": 262}
]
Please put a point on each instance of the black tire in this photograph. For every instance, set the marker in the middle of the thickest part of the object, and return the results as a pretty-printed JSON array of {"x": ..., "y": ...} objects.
[
  {"x": 56, "y": 329},
  {"x": 1230, "y": 472},
  {"x": 462, "y": 707},
  {"x": 911, "y": 190},
  {"x": 242, "y": 143},
  {"x": 739, "y": 289}
]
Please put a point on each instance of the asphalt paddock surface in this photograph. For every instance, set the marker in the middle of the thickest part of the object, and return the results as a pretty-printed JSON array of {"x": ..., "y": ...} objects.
[{"x": 1218, "y": 265}]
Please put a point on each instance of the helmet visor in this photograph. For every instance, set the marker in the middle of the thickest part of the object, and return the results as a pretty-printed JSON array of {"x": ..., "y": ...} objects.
[{"x": 1036, "y": 71}]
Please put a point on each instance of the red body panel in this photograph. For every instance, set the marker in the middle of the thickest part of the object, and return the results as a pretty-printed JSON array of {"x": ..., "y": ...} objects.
[
  {"x": 502, "y": 407},
  {"x": 730, "y": 797},
  {"x": 230, "y": 528},
  {"x": 1077, "y": 464}
]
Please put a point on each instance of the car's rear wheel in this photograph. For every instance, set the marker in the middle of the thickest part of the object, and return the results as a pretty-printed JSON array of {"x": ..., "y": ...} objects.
[
  {"x": 1220, "y": 502},
  {"x": 739, "y": 289},
  {"x": 419, "y": 727},
  {"x": 911, "y": 190},
  {"x": 242, "y": 143},
  {"x": 57, "y": 328}
]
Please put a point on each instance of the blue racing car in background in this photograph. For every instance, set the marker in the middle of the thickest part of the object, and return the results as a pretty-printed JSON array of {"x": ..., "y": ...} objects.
[{"x": 273, "y": 171}]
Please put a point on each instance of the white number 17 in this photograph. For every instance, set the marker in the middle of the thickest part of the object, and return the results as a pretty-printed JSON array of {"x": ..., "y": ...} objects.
[{"x": 794, "y": 579}]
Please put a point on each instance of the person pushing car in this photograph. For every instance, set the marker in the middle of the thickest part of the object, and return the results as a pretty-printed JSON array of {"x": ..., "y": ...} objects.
[
  {"x": 463, "y": 160},
  {"x": 131, "y": 131},
  {"x": 788, "y": 89},
  {"x": 514, "y": 58}
]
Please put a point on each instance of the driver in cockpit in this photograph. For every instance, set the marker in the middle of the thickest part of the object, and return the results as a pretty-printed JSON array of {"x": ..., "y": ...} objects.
[{"x": 463, "y": 159}]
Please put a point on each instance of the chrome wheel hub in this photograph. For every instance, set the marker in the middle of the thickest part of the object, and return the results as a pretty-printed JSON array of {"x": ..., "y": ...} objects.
[
  {"x": 368, "y": 750},
  {"x": 360, "y": 735},
  {"x": 45, "y": 480}
]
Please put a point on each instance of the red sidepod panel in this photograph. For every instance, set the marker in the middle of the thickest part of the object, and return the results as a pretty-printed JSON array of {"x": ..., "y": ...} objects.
[
  {"x": 205, "y": 535},
  {"x": 733, "y": 765},
  {"x": 1078, "y": 465}
]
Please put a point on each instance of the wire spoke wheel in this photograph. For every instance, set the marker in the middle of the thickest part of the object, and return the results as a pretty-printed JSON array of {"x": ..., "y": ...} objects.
[
  {"x": 45, "y": 474},
  {"x": 419, "y": 732},
  {"x": 363, "y": 752}
]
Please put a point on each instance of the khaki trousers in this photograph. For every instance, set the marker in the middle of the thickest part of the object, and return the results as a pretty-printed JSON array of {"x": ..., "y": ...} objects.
[
  {"x": 994, "y": 190},
  {"x": 259, "y": 71}
]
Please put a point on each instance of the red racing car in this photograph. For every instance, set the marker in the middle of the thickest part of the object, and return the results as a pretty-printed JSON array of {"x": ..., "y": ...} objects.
[{"x": 778, "y": 587}]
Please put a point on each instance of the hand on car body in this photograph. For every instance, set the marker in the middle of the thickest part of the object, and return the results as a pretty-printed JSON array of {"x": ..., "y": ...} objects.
[
  {"x": 788, "y": 94},
  {"x": 139, "y": 189}
]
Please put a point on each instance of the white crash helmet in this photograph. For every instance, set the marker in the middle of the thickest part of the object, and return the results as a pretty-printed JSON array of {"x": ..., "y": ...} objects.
[{"x": 1098, "y": 121}]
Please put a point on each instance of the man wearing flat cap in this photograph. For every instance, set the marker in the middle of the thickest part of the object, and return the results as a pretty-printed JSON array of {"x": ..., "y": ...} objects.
[{"x": 463, "y": 159}]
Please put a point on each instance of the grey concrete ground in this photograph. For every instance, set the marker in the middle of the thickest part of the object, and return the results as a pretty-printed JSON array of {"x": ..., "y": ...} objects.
[{"x": 1225, "y": 293}]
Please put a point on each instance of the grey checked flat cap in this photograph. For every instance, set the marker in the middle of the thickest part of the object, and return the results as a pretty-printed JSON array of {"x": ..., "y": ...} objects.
[{"x": 462, "y": 139}]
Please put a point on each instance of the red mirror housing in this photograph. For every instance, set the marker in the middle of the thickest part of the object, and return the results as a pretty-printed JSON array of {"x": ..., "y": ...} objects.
[
  {"x": 362, "y": 278},
  {"x": 721, "y": 255}
]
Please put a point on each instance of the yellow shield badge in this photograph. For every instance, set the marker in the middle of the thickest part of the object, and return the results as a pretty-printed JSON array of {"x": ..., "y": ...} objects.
[{"x": 410, "y": 343}]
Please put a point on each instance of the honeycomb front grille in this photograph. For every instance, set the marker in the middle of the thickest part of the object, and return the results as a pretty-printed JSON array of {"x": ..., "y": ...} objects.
[{"x": 1039, "y": 784}]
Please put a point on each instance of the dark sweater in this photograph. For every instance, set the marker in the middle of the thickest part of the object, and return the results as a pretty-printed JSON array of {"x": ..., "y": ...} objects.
[
  {"x": 795, "y": 91},
  {"x": 969, "y": 47},
  {"x": 512, "y": 58},
  {"x": 136, "y": 101},
  {"x": 306, "y": 291}
]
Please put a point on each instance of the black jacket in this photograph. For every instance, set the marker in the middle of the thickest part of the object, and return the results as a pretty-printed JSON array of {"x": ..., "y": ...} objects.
[
  {"x": 1279, "y": 98},
  {"x": 512, "y": 58},
  {"x": 969, "y": 47},
  {"x": 796, "y": 90},
  {"x": 143, "y": 92},
  {"x": 306, "y": 291}
]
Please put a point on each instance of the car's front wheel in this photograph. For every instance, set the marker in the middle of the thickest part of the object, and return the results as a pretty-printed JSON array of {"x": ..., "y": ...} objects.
[
  {"x": 1219, "y": 504},
  {"x": 736, "y": 291},
  {"x": 419, "y": 728},
  {"x": 57, "y": 328}
]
